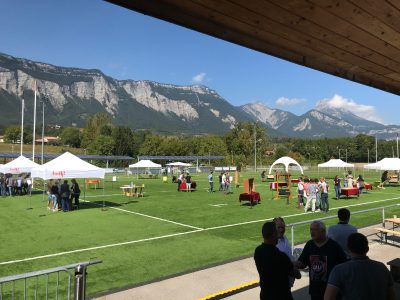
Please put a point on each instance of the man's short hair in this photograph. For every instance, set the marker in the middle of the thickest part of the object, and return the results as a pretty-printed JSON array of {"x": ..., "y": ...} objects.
[
  {"x": 343, "y": 214},
  {"x": 280, "y": 218},
  {"x": 321, "y": 224},
  {"x": 306, "y": 180},
  {"x": 65, "y": 181},
  {"x": 268, "y": 229},
  {"x": 357, "y": 243},
  {"x": 212, "y": 172}
]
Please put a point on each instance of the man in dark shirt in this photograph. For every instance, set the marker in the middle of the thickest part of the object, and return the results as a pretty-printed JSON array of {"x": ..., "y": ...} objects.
[
  {"x": 273, "y": 266},
  {"x": 64, "y": 193},
  {"x": 220, "y": 181},
  {"x": 2, "y": 186},
  {"x": 188, "y": 183},
  {"x": 321, "y": 255},
  {"x": 263, "y": 175}
]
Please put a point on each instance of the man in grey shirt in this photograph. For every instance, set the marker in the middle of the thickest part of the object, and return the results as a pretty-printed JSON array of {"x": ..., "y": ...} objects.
[
  {"x": 360, "y": 278},
  {"x": 342, "y": 230},
  {"x": 324, "y": 195},
  {"x": 312, "y": 190}
]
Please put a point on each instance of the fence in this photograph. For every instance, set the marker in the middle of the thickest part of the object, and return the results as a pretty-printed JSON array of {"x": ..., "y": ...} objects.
[
  {"x": 332, "y": 217},
  {"x": 79, "y": 286}
]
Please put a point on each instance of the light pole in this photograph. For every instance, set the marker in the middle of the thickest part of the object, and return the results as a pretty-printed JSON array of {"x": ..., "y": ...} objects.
[
  {"x": 368, "y": 155},
  {"x": 255, "y": 150},
  {"x": 22, "y": 120},
  {"x": 12, "y": 149},
  {"x": 309, "y": 160},
  {"x": 85, "y": 151},
  {"x": 346, "y": 153},
  {"x": 232, "y": 156}
]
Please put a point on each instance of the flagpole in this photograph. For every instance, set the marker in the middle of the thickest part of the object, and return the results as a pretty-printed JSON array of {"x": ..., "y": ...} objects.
[
  {"x": 22, "y": 125},
  {"x": 34, "y": 125},
  {"x": 397, "y": 145}
]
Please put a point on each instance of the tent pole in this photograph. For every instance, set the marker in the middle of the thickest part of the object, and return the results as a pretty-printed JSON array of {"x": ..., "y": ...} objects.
[
  {"x": 84, "y": 191},
  {"x": 104, "y": 201},
  {"x": 44, "y": 188},
  {"x": 30, "y": 195}
]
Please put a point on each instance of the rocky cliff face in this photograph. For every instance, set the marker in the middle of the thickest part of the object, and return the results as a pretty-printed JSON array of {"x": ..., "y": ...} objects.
[{"x": 141, "y": 104}]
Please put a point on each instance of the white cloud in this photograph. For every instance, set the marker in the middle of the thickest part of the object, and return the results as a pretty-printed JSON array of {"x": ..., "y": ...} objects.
[
  {"x": 367, "y": 112},
  {"x": 285, "y": 101},
  {"x": 198, "y": 78},
  {"x": 124, "y": 71}
]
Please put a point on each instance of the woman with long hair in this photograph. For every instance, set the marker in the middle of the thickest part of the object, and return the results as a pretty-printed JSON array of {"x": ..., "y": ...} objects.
[
  {"x": 361, "y": 183},
  {"x": 338, "y": 186}
]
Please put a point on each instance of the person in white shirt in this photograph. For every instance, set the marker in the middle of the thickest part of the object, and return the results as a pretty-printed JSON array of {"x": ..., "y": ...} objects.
[
  {"x": 350, "y": 182},
  {"x": 300, "y": 190},
  {"x": 223, "y": 182},
  {"x": 283, "y": 243}
]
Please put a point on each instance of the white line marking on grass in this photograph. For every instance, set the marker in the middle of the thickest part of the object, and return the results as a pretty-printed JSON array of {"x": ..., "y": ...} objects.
[
  {"x": 143, "y": 215},
  {"x": 95, "y": 248},
  {"x": 218, "y": 205},
  {"x": 295, "y": 215}
]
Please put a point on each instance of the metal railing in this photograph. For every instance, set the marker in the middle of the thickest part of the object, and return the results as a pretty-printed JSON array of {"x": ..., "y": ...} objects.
[
  {"x": 333, "y": 217},
  {"x": 80, "y": 280}
]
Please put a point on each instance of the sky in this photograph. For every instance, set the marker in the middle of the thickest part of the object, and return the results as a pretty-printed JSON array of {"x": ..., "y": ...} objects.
[{"x": 124, "y": 44}]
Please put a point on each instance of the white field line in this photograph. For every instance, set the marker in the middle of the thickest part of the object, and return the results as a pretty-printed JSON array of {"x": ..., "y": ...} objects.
[
  {"x": 95, "y": 248},
  {"x": 143, "y": 215},
  {"x": 166, "y": 236}
]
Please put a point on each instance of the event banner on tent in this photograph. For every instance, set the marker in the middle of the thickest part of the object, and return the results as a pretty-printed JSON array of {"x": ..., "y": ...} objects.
[{"x": 58, "y": 173}]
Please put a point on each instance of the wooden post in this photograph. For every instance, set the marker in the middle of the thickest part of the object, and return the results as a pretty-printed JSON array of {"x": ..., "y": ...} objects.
[
  {"x": 288, "y": 195},
  {"x": 298, "y": 198}
]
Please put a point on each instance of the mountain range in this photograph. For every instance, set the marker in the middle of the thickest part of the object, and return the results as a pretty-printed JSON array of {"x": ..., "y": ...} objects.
[{"x": 73, "y": 94}]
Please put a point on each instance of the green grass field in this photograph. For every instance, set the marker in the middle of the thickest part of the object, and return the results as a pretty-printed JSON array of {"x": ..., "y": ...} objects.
[{"x": 161, "y": 234}]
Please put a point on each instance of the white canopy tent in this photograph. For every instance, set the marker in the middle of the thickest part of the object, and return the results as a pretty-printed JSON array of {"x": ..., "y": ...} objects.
[
  {"x": 144, "y": 164},
  {"x": 68, "y": 166},
  {"x": 286, "y": 161},
  {"x": 385, "y": 164},
  {"x": 335, "y": 163},
  {"x": 18, "y": 165}
]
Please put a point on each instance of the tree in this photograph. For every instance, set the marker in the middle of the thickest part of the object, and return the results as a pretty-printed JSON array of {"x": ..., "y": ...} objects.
[
  {"x": 70, "y": 137},
  {"x": 103, "y": 145},
  {"x": 12, "y": 134},
  {"x": 280, "y": 152}
]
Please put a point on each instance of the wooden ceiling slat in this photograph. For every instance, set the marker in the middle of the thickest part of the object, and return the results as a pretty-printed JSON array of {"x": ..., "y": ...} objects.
[
  {"x": 329, "y": 21},
  {"x": 289, "y": 19},
  {"x": 382, "y": 10},
  {"x": 395, "y": 3},
  {"x": 360, "y": 18},
  {"x": 271, "y": 44},
  {"x": 251, "y": 22}
]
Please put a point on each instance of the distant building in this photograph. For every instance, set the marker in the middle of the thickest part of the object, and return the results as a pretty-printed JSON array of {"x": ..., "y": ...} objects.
[
  {"x": 47, "y": 139},
  {"x": 270, "y": 153},
  {"x": 1, "y": 138},
  {"x": 73, "y": 124}
]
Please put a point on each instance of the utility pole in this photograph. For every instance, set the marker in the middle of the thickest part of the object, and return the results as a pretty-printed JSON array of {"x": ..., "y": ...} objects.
[{"x": 255, "y": 150}]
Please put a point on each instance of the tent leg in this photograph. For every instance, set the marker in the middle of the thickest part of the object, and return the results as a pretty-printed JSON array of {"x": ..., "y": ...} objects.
[
  {"x": 104, "y": 201},
  {"x": 44, "y": 188},
  {"x": 30, "y": 196},
  {"x": 84, "y": 191}
]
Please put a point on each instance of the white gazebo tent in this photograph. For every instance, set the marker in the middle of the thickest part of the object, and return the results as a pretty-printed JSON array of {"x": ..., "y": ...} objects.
[
  {"x": 286, "y": 161},
  {"x": 385, "y": 164},
  {"x": 335, "y": 163},
  {"x": 144, "y": 164},
  {"x": 17, "y": 166},
  {"x": 68, "y": 166}
]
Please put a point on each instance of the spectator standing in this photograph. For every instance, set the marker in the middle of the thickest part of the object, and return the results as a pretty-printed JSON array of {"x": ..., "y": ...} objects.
[
  {"x": 54, "y": 195},
  {"x": 342, "y": 230},
  {"x": 312, "y": 195},
  {"x": 384, "y": 177},
  {"x": 27, "y": 185},
  {"x": 283, "y": 243},
  {"x": 172, "y": 172},
  {"x": 64, "y": 193},
  {"x": 338, "y": 186},
  {"x": 59, "y": 195},
  {"x": 345, "y": 180},
  {"x": 188, "y": 183},
  {"x": 361, "y": 184},
  {"x": 49, "y": 196},
  {"x": 180, "y": 178},
  {"x": 305, "y": 184},
  {"x": 350, "y": 172},
  {"x": 2, "y": 186},
  {"x": 273, "y": 266},
  {"x": 220, "y": 182},
  {"x": 18, "y": 185},
  {"x": 224, "y": 184},
  {"x": 321, "y": 254},
  {"x": 75, "y": 193},
  {"x": 10, "y": 184},
  {"x": 263, "y": 175},
  {"x": 324, "y": 195},
  {"x": 300, "y": 189},
  {"x": 210, "y": 180},
  {"x": 318, "y": 194},
  {"x": 360, "y": 278},
  {"x": 228, "y": 184}
]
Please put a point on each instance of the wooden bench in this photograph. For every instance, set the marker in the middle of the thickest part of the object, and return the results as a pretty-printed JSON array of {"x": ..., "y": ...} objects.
[
  {"x": 394, "y": 181},
  {"x": 384, "y": 233}
]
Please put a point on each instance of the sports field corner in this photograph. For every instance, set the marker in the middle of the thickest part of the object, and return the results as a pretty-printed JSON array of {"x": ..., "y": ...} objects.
[{"x": 161, "y": 234}]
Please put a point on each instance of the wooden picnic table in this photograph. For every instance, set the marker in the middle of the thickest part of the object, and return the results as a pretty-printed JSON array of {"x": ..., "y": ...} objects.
[
  {"x": 88, "y": 182},
  {"x": 394, "y": 221}
]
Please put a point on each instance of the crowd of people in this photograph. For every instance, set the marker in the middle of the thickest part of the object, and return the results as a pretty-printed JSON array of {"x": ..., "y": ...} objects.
[
  {"x": 225, "y": 181},
  {"x": 337, "y": 262},
  {"x": 60, "y": 195},
  {"x": 11, "y": 186}
]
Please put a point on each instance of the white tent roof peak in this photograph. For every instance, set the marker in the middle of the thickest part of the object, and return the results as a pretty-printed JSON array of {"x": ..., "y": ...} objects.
[
  {"x": 286, "y": 160},
  {"x": 385, "y": 164},
  {"x": 145, "y": 164},
  {"x": 67, "y": 166},
  {"x": 178, "y": 163},
  {"x": 335, "y": 163},
  {"x": 19, "y": 165}
]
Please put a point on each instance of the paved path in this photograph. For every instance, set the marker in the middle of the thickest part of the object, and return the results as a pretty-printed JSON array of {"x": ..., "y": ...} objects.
[{"x": 208, "y": 281}]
